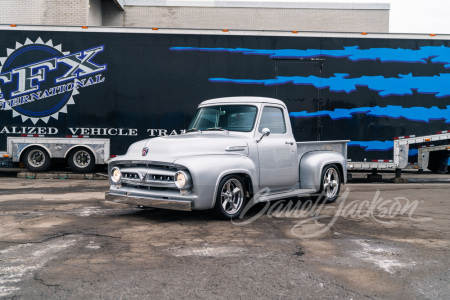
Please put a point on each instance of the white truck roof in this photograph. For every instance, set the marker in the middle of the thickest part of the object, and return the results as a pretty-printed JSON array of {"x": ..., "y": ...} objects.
[{"x": 243, "y": 99}]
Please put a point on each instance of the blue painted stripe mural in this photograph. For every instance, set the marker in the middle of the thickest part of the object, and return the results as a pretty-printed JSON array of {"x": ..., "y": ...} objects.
[
  {"x": 403, "y": 85},
  {"x": 419, "y": 114},
  {"x": 373, "y": 145},
  {"x": 378, "y": 146},
  {"x": 434, "y": 54}
]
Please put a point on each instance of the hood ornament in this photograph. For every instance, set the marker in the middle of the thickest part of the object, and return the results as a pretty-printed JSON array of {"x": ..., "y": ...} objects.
[
  {"x": 235, "y": 148},
  {"x": 144, "y": 151}
]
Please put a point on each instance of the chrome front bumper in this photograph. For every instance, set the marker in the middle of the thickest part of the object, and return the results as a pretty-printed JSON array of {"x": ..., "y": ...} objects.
[{"x": 149, "y": 202}]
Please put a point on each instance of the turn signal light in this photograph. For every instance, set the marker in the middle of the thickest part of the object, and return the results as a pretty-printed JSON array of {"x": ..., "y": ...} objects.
[
  {"x": 13, "y": 25},
  {"x": 295, "y": 31},
  {"x": 432, "y": 34},
  {"x": 154, "y": 28},
  {"x": 427, "y": 140},
  {"x": 225, "y": 30},
  {"x": 84, "y": 27},
  {"x": 363, "y": 33},
  {"x": 5, "y": 155}
]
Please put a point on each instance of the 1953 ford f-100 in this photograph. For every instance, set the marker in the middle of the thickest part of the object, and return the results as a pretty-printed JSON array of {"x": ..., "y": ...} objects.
[{"x": 234, "y": 148}]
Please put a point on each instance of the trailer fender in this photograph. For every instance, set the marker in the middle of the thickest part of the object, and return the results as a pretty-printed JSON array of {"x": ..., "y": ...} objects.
[
  {"x": 18, "y": 157},
  {"x": 312, "y": 164}
]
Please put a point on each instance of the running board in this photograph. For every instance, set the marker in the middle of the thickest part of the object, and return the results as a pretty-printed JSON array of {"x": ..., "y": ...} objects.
[{"x": 294, "y": 193}]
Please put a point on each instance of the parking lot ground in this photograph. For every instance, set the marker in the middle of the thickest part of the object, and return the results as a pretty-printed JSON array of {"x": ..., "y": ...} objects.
[{"x": 61, "y": 239}]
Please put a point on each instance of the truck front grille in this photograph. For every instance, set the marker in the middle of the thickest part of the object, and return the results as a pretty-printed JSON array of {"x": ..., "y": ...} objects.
[
  {"x": 130, "y": 175},
  {"x": 148, "y": 177}
]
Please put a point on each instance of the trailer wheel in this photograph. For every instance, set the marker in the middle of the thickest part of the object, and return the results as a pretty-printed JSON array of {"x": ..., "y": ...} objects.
[
  {"x": 36, "y": 159},
  {"x": 330, "y": 184},
  {"x": 81, "y": 160},
  {"x": 230, "y": 199}
]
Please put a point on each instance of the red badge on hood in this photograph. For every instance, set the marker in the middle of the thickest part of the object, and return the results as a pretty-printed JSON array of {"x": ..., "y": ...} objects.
[{"x": 144, "y": 151}]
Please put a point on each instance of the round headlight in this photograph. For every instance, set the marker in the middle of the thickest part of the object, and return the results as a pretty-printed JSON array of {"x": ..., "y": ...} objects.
[
  {"x": 115, "y": 175},
  {"x": 181, "y": 179}
]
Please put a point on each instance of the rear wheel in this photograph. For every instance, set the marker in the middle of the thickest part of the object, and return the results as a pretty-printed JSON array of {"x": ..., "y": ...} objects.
[
  {"x": 36, "y": 159},
  {"x": 81, "y": 160},
  {"x": 230, "y": 199},
  {"x": 330, "y": 184}
]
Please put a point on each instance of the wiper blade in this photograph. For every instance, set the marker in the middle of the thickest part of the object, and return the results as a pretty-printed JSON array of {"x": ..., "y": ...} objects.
[
  {"x": 192, "y": 129},
  {"x": 215, "y": 128}
]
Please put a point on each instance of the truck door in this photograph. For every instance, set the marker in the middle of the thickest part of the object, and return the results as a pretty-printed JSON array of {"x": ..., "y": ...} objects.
[{"x": 278, "y": 166}]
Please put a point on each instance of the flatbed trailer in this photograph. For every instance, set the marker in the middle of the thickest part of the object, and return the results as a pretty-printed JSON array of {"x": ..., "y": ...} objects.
[{"x": 400, "y": 161}]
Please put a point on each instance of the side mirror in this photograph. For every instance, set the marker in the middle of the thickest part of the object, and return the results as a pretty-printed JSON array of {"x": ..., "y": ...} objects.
[{"x": 265, "y": 132}]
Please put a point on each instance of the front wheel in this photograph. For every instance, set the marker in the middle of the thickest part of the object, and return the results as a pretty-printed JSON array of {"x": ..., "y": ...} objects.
[
  {"x": 230, "y": 199},
  {"x": 81, "y": 160},
  {"x": 36, "y": 159},
  {"x": 330, "y": 184}
]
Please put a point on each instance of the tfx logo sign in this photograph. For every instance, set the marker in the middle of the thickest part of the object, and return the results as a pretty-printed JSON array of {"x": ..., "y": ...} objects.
[{"x": 38, "y": 80}]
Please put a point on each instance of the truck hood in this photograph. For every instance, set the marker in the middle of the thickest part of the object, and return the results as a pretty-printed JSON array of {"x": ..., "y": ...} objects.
[{"x": 170, "y": 148}]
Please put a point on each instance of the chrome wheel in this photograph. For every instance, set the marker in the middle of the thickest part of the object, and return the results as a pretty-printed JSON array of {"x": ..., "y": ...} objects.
[
  {"x": 36, "y": 158},
  {"x": 331, "y": 183},
  {"x": 232, "y": 196}
]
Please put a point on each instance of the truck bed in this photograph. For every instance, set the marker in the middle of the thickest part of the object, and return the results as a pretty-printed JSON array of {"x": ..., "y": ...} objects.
[{"x": 339, "y": 146}]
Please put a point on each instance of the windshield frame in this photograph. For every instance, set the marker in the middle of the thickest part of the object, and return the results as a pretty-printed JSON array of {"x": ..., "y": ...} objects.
[{"x": 194, "y": 119}]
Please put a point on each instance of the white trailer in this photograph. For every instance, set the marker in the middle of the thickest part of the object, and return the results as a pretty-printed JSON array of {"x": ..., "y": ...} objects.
[{"x": 37, "y": 151}]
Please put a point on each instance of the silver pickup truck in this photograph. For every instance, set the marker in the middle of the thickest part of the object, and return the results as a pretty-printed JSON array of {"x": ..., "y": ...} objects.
[{"x": 233, "y": 149}]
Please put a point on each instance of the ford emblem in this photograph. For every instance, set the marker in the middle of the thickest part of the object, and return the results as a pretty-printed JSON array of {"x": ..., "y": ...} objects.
[{"x": 144, "y": 151}]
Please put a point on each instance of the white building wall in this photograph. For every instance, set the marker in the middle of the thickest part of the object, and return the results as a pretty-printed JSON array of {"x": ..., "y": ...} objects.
[
  {"x": 22, "y": 12},
  {"x": 301, "y": 19},
  {"x": 203, "y": 14},
  {"x": 47, "y": 12}
]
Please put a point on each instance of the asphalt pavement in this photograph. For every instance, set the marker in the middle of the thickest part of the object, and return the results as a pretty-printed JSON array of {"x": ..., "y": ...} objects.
[{"x": 59, "y": 239}]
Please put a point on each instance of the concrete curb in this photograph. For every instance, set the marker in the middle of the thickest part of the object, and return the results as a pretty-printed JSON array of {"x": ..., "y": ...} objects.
[{"x": 61, "y": 175}]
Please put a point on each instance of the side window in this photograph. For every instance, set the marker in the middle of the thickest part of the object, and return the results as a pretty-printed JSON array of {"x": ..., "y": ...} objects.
[{"x": 272, "y": 118}]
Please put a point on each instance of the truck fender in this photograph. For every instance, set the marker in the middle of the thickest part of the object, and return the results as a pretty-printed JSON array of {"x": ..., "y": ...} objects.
[
  {"x": 312, "y": 164},
  {"x": 32, "y": 145},
  {"x": 230, "y": 172},
  {"x": 82, "y": 146},
  {"x": 208, "y": 170}
]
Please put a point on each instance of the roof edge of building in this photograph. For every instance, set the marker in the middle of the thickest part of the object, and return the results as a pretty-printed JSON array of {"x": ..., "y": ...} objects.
[{"x": 256, "y": 4}]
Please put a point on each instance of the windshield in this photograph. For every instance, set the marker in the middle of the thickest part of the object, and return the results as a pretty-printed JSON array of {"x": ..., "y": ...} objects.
[{"x": 225, "y": 117}]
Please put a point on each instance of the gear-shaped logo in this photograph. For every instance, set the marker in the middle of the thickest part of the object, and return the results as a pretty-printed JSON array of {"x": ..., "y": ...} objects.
[{"x": 43, "y": 88}]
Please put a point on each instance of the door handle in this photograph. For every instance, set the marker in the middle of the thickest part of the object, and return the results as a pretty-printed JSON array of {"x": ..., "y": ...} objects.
[{"x": 289, "y": 143}]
